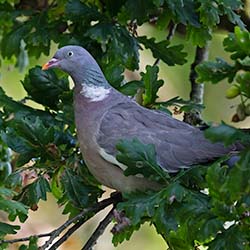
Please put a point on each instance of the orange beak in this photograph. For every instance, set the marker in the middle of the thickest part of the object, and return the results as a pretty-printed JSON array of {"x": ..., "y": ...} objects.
[{"x": 50, "y": 64}]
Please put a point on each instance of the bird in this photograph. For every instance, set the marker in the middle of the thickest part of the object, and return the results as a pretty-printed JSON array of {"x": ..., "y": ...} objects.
[{"x": 103, "y": 116}]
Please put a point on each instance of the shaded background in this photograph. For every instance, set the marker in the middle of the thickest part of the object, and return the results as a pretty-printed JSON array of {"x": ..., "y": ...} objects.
[{"x": 218, "y": 108}]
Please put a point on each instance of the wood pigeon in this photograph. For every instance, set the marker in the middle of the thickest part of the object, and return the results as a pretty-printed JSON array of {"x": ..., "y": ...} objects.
[{"x": 103, "y": 116}]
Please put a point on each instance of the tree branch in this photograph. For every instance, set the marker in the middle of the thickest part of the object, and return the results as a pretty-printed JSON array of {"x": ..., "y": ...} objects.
[
  {"x": 99, "y": 230},
  {"x": 68, "y": 233},
  {"x": 197, "y": 90},
  {"x": 24, "y": 238},
  {"x": 79, "y": 219},
  {"x": 114, "y": 199}
]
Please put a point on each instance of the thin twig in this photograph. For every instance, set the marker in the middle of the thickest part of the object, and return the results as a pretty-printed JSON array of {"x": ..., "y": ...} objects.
[
  {"x": 197, "y": 90},
  {"x": 25, "y": 238},
  {"x": 99, "y": 230},
  {"x": 68, "y": 233},
  {"x": 114, "y": 199},
  {"x": 172, "y": 28}
]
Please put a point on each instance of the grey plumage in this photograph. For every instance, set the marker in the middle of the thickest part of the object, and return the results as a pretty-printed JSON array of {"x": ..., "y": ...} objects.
[
  {"x": 177, "y": 144},
  {"x": 104, "y": 116}
]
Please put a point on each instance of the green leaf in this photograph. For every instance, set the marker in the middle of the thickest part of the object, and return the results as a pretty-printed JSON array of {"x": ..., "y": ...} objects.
[
  {"x": 131, "y": 88},
  {"x": 45, "y": 87},
  {"x": 185, "y": 105},
  {"x": 184, "y": 11},
  {"x": 14, "y": 209},
  {"x": 14, "y": 180},
  {"x": 216, "y": 175},
  {"x": 114, "y": 7},
  {"x": 237, "y": 43},
  {"x": 230, "y": 9},
  {"x": 33, "y": 243},
  {"x": 35, "y": 191},
  {"x": 5, "y": 192},
  {"x": 215, "y": 71},
  {"x": 159, "y": 208},
  {"x": 151, "y": 84},
  {"x": 209, "y": 14},
  {"x": 38, "y": 39},
  {"x": 79, "y": 193},
  {"x": 5, "y": 171},
  {"x": 199, "y": 36},
  {"x": 177, "y": 239},
  {"x": 140, "y": 159},
  {"x": 7, "y": 229},
  {"x": 171, "y": 55},
  {"x": 139, "y": 205},
  {"x": 10, "y": 105},
  {"x": 227, "y": 134},
  {"x": 165, "y": 218},
  {"x": 237, "y": 182},
  {"x": 12, "y": 41},
  {"x": 125, "y": 235},
  {"x": 120, "y": 46},
  {"x": 114, "y": 74},
  {"x": 76, "y": 9},
  {"x": 139, "y": 10},
  {"x": 30, "y": 136},
  {"x": 230, "y": 239},
  {"x": 17, "y": 144},
  {"x": 244, "y": 80},
  {"x": 56, "y": 185},
  {"x": 210, "y": 228}
]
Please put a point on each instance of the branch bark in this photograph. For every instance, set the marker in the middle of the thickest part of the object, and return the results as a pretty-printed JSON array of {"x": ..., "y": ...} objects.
[
  {"x": 114, "y": 199},
  {"x": 78, "y": 220},
  {"x": 197, "y": 90},
  {"x": 99, "y": 230}
]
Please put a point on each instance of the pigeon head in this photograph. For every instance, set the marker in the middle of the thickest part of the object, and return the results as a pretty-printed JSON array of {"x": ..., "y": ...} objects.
[{"x": 77, "y": 62}]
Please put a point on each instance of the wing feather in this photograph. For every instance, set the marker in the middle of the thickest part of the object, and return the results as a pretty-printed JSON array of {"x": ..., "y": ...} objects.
[{"x": 178, "y": 145}]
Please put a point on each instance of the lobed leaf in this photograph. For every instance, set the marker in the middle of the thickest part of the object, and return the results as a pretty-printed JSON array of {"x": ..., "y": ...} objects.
[
  {"x": 215, "y": 71},
  {"x": 39, "y": 82},
  {"x": 140, "y": 159},
  {"x": 32, "y": 193},
  {"x": 151, "y": 84},
  {"x": 79, "y": 193},
  {"x": 170, "y": 55},
  {"x": 7, "y": 229},
  {"x": 226, "y": 134}
]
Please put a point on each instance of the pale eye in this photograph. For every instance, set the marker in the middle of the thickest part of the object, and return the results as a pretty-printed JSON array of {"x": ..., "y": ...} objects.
[{"x": 70, "y": 53}]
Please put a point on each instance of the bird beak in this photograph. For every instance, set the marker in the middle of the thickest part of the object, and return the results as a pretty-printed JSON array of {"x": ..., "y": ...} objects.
[{"x": 51, "y": 64}]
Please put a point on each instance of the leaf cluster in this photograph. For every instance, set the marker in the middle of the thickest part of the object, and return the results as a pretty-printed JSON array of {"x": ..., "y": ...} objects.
[
  {"x": 204, "y": 206},
  {"x": 237, "y": 73}
]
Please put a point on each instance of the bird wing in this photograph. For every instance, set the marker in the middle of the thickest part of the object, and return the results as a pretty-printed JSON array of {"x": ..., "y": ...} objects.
[{"x": 178, "y": 145}]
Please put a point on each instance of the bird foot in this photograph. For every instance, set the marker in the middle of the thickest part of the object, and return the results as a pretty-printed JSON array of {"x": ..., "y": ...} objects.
[{"x": 121, "y": 222}]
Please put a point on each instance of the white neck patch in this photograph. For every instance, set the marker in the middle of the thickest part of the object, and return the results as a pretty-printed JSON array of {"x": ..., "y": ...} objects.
[{"x": 94, "y": 93}]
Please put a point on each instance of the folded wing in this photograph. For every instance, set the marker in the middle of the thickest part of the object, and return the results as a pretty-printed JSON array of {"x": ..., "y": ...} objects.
[{"x": 178, "y": 145}]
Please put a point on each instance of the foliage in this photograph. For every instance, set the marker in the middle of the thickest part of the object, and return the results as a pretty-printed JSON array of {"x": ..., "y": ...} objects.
[
  {"x": 237, "y": 72},
  {"x": 38, "y": 147}
]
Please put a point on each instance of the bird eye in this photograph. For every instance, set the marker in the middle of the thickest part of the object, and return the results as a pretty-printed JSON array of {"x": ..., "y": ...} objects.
[{"x": 70, "y": 53}]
